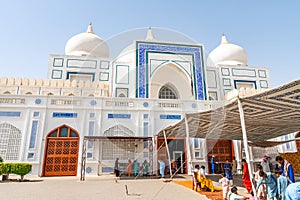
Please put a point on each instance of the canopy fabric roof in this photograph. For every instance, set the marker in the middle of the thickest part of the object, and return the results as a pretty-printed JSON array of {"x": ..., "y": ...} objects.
[
  {"x": 265, "y": 144},
  {"x": 267, "y": 115}
]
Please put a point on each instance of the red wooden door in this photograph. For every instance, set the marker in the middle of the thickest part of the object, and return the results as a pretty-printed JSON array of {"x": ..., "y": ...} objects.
[{"x": 61, "y": 154}]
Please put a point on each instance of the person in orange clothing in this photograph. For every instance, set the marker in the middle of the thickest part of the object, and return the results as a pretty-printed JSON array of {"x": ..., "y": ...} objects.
[
  {"x": 246, "y": 176},
  {"x": 129, "y": 168}
]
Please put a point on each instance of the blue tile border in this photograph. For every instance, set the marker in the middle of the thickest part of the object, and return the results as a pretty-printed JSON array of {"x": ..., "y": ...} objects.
[{"x": 142, "y": 50}]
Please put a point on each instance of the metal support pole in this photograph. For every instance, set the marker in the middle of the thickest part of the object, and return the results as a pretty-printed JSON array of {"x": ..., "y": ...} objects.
[
  {"x": 83, "y": 161},
  {"x": 151, "y": 156},
  {"x": 245, "y": 140},
  {"x": 168, "y": 152},
  {"x": 188, "y": 149}
]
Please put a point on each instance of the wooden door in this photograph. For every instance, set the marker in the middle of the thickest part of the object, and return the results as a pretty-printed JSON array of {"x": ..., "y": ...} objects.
[
  {"x": 61, "y": 152},
  {"x": 222, "y": 150}
]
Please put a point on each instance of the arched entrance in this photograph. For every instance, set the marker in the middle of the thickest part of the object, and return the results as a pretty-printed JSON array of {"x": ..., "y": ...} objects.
[{"x": 61, "y": 152}]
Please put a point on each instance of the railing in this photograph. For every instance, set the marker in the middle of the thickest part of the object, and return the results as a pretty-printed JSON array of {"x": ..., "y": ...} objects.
[
  {"x": 12, "y": 100},
  {"x": 119, "y": 103},
  {"x": 169, "y": 105},
  {"x": 65, "y": 102}
]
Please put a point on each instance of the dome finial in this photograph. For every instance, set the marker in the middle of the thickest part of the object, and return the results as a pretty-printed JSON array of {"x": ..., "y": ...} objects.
[
  {"x": 90, "y": 28},
  {"x": 150, "y": 34},
  {"x": 224, "y": 39}
]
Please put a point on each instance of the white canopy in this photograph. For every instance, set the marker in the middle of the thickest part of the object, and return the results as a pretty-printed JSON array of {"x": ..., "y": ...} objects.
[
  {"x": 267, "y": 115},
  {"x": 256, "y": 118}
]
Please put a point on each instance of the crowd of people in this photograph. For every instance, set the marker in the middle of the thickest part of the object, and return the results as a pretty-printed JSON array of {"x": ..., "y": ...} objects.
[
  {"x": 267, "y": 185},
  {"x": 279, "y": 185},
  {"x": 132, "y": 169}
]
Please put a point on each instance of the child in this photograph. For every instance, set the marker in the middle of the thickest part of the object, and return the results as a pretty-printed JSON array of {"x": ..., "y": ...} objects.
[
  {"x": 282, "y": 183},
  {"x": 229, "y": 176},
  {"x": 225, "y": 185},
  {"x": 233, "y": 195},
  {"x": 262, "y": 190}
]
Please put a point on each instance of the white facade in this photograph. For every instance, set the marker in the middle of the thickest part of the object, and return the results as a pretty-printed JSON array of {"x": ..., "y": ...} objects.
[{"x": 150, "y": 86}]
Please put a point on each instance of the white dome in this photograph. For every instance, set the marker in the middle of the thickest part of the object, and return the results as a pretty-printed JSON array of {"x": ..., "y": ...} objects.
[
  {"x": 87, "y": 44},
  {"x": 227, "y": 54}
]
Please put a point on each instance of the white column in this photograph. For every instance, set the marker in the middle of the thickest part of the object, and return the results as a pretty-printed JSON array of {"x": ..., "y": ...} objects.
[
  {"x": 245, "y": 140},
  {"x": 188, "y": 149}
]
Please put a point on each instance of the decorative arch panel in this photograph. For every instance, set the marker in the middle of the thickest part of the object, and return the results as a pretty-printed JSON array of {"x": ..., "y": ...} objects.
[{"x": 10, "y": 142}]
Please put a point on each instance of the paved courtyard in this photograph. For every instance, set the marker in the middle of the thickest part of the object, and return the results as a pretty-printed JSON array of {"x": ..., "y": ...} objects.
[{"x": 102, "y": 187}]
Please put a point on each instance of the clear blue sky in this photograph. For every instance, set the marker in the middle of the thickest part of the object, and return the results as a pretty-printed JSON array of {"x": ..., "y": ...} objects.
[{"x": 268, "y": 30}]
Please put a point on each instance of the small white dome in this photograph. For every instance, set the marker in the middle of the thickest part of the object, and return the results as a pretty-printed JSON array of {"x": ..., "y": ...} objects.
[
  {"x": 87, "y": 43},
  {"x": 227, "y": 54}
]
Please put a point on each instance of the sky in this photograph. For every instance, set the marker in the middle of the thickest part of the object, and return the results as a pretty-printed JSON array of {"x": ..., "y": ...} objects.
[{"x": 269, "y": 30}]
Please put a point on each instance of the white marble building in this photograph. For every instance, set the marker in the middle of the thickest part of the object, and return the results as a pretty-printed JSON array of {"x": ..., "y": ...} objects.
[{"x": 150, "y": 85}]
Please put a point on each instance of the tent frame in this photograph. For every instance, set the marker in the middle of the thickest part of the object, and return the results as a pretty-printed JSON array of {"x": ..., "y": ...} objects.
[{"x": 101, "y": 138}]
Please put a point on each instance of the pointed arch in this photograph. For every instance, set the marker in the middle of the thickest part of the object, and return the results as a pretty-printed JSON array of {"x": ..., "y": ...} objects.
[
  {"x": 118, "y": 130},
  {"x": 63, "y": 131},
  {"x": 171, "y": 75},
  {"x": 10, "y": 142}
]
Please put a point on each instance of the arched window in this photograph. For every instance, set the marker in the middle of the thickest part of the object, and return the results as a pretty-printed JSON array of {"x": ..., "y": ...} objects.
[
  {"x": 167, "y": 92},
  {"x": 6, "y": 92},
  {"x": 63, "y": 131}
]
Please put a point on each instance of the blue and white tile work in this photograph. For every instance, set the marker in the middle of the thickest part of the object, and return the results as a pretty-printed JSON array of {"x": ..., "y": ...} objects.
[{"x": 143, "y": 48}]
